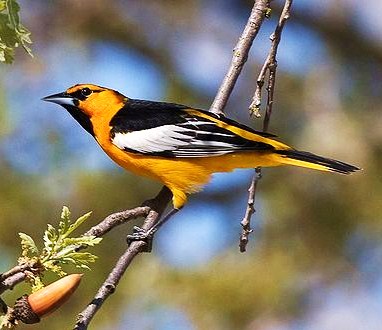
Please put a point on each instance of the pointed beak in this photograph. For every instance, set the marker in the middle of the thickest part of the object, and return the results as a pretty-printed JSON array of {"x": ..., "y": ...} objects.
[{"x": 60, "y": 98}]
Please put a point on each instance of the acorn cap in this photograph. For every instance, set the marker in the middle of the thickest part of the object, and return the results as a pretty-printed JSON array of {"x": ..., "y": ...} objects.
[{"x": 29, "y": 309}]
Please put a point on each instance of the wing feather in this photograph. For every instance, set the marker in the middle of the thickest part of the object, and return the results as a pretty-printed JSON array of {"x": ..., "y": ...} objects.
[
  {"x": 165, "y": 129},
  {"x": 181, "y": 141}
]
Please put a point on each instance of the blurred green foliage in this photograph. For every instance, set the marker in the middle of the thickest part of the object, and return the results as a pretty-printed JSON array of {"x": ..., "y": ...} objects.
[{"x": 12, "y": 32}]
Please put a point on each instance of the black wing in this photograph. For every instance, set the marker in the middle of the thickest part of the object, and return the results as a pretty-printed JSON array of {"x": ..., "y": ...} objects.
[{"x": 167, "y": 129}]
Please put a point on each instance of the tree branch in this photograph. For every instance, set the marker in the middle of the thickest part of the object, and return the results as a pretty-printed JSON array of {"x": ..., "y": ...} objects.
[
  {"x": 110, "y": 284},
  {"x": 14, "y": 270},
  {"x": 270, "y": 65},
  {"x": 15, "y": 275},
  {"x": 246, "y": 222},
  {"x": 240, "y": 55},
  {"x": 116, "y": 219},
  {"x": 11, "y": 281}
]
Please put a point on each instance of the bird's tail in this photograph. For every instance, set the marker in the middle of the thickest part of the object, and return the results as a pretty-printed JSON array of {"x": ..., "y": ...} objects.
[{"x": 309, "y": 160}]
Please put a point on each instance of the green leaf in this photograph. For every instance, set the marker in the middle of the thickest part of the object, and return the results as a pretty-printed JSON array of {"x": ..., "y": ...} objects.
[
  {"x": 6, "y": 53},
  {"x": 36, "y": 283},
  {"x": 3, "y": 5},
  {"x": 28, "y": 245},
  {"x": 59, "y": 248},
  {"x": 12, "y": 32},
  {"x": 13, "y": 13},
  {"x": 83, "y": 240},
  {"x": 64, "y": 224},
  {"x": 50, "y": 238},
  {"x": 80, "y": 259},
  {"x": 71, "y": 245},
  {"x": 65, "y": 213},
  {"x": 78, "y": 223}
]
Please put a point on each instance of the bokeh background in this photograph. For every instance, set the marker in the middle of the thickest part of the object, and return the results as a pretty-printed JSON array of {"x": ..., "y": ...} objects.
[{"x": 315, "y": 259}]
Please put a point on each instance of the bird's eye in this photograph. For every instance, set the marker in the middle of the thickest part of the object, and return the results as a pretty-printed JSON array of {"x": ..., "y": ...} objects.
[{"x": 86, "y": 91}]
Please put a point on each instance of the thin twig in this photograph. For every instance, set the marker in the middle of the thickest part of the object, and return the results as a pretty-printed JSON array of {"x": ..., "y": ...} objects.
[
  {"x": 270, "y": 65},
  {"x": 240, "y": 55},
  {"x": 110, "y": 284},
  {"x": 14, "y": 270},
  {"x": 246, "y": 222},
  {"x": 10, "y": 282},
  {"x": 116, "y": 219},
  {"x": 16, "y": 275}
]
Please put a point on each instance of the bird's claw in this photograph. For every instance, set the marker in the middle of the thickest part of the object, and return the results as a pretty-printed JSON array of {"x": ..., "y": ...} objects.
[{"x": 140, "y": 234}]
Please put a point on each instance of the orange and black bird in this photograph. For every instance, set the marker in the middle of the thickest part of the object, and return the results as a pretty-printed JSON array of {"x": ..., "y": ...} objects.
[{"x": 175, "y": 144}]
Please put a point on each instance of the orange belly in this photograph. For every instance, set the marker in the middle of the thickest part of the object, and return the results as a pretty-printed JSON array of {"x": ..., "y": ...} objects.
[{"x": 186, "y": 175}]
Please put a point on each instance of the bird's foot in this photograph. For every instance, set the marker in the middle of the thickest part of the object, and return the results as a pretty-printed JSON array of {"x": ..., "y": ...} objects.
[
  {"x": 140, "y": 234},
  {"x": 146, "y": 236}
]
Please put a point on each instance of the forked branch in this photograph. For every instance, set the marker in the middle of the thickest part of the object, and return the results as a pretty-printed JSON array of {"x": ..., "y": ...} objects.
[
  {"x": 240, "y": 55},
  {"x": 270, "y": 67}
]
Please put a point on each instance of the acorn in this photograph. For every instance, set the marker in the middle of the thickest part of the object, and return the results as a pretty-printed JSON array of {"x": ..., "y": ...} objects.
[{"x": 29, "y": 309}]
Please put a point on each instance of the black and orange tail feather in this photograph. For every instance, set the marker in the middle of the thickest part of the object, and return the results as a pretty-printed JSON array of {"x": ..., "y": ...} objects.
[{"x": 309, "y": 160}]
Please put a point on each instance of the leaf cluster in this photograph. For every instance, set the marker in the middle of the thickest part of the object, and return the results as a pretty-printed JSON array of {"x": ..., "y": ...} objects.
[
  {"x": 59, "y": 248},
  {"x": 12, "y": 32}
]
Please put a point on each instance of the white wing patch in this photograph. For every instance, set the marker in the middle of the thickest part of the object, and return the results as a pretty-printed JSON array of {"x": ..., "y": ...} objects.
[
  {"x": 182, "y": 140},
  {"x": 158, "y": 139}
]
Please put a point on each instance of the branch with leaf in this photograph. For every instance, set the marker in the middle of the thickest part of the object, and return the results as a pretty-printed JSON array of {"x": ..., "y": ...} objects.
[{"x": 59, "y": 249}]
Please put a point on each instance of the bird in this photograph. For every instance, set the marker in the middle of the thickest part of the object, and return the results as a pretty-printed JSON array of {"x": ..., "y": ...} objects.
[{"x": 178, "y": 145}]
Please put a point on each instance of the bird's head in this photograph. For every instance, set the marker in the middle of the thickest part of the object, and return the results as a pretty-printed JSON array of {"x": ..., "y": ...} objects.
[{"x": 84, "y": 101}]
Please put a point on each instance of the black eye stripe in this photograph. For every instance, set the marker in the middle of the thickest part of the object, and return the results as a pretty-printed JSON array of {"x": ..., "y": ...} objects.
[
  {"x": 86, "y": 91},
  {"x": 83, "y": 93},
  {"x": 78, "y": 95}
]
